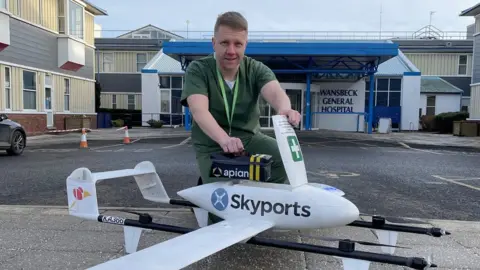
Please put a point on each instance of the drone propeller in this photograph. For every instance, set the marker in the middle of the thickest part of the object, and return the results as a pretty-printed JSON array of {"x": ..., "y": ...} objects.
[{"x": 365, "y": 243}]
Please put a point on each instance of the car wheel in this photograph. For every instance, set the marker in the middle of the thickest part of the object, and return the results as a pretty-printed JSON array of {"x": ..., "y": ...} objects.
[{"x": 18, "y": 144}]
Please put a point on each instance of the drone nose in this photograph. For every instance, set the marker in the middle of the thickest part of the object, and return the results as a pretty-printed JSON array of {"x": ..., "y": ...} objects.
[{"x": 350, "y": 212}]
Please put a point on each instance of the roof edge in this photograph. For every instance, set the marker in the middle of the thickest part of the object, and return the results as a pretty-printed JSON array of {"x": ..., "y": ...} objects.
[
  {"x": 94, "y": 9},
  {"x": 154, "y": 60},
  {"x": 471, "y": 11},
  {"x": 453, "y": 86},
  {"x": 407, "y": 62},
  {"x": 458, "y": 90}
]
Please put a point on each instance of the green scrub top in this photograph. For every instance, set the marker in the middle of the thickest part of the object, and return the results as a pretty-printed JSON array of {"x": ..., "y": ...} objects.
[{"x": 201, "y": 78}]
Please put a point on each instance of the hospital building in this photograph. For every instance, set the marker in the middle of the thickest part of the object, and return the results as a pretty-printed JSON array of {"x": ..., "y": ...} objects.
[{"x": 337, "y": 81}]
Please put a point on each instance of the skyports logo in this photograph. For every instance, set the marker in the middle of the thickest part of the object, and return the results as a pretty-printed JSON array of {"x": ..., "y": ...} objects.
[
  {"x": 266, "y": 207},
  {"x": 220, "y": 200}
]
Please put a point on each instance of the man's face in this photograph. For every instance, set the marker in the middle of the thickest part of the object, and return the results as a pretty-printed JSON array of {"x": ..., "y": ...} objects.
[{"x": 229, "y": 46}]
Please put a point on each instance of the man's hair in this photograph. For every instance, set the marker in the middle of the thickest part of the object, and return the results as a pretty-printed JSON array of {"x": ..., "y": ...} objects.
[{"x": 232, "y": 19}]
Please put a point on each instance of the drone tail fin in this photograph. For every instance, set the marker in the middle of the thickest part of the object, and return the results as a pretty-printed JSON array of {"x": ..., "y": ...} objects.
[
  {"x": 290, "y": 151},
  {"x": 82, "y": 193},
  {"x": 83, "y": 201}
]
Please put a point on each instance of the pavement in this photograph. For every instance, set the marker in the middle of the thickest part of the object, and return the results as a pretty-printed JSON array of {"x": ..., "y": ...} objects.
[
  {"x": 47, "y": 238},
  {"x": 108, "y": 134},
  {"x": 438, "y": 185}
]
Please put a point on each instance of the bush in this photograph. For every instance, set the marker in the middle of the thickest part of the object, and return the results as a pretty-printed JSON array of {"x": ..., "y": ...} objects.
[
  {"x": 118, "y": 123},
  {"x": 427, "y": 122},
  {"x": 155, "y": 123},
  {"x": 444, "y": 121}
]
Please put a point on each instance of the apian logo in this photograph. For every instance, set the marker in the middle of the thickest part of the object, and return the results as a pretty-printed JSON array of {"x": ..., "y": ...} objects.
[
  {"x": 294, "y": 147},
  {"x": 220, "y": 199},
  {"x": 217, "y": 172}
]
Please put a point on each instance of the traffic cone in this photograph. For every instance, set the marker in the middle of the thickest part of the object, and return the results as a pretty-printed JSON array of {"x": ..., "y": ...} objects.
[
  {"x": 126, "y": 138},
  {"x": 83, "y": 140}
]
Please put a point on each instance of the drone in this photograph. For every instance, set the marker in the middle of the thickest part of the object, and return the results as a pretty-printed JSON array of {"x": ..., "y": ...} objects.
[{"x": 247, "y": 206}]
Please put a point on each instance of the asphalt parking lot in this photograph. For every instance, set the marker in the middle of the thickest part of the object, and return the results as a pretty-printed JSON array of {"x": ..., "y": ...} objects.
[{"x": 380, "y": 178}]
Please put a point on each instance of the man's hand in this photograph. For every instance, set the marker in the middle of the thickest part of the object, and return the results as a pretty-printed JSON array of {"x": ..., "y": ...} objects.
[
  {"x": 232, "y": 145},
  {"x": 293, "y": 116}
]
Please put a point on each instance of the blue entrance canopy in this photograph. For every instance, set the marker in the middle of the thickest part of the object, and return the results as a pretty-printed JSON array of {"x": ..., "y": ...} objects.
[{"x": 332, "y": 59}]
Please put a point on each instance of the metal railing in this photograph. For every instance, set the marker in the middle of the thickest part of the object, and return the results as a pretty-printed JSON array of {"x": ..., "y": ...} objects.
[{"x": 424, "y": 33}]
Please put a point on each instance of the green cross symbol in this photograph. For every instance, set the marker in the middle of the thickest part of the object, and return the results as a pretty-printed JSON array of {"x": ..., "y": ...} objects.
[{"x": 294, "y": 148}]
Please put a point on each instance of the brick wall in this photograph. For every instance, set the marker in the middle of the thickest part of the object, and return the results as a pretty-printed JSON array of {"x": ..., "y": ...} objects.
[{"x": 36, "y": 124}]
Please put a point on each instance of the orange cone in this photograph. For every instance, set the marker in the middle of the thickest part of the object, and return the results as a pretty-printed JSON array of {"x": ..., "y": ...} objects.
[
  {"x": 83, "y": 140},
  {"x": 126, "y": 138}
]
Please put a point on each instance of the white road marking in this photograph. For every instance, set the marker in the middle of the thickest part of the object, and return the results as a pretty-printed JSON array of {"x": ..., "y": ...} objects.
[
  {"x": 113, "y": 145},
  {"x": 333, "y": 174},
  {"x": 421, "y": 150},
  {"x": 106, "y": 146},
  {"x": 456, "y": 182},
  {"x": 180, "y": 144},
  {"x": 367, "y": 144},
  {"x": 435, "y": 183},
  {"x": 461, "y": 178}
]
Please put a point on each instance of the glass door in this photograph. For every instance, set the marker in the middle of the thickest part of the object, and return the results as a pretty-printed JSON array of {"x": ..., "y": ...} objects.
[
  {"x": 49, "y": 100},
  {"x": 295, "y": 96},
  {"x": 264, "y": 112}
]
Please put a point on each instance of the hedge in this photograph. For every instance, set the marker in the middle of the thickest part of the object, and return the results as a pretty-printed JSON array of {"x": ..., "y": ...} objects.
[{"x": 442, "y": 122}]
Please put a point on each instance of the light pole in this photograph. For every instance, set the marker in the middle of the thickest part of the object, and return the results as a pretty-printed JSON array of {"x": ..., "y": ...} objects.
[
  {"x": 430, "y": 23},
  {"x": 188, "y": 22}
]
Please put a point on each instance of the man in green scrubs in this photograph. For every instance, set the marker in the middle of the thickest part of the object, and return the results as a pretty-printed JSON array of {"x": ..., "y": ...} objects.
[{"x": 229, "y": 83}]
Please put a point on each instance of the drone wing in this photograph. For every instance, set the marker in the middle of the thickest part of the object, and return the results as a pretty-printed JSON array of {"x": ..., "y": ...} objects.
[{"x": 189, "y": 248}]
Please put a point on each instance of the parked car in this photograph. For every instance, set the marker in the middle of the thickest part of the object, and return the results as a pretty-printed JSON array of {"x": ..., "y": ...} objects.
[{"x": 13, "y": 138}]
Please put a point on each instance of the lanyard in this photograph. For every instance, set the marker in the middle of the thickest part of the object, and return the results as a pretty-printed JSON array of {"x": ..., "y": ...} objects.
[{"x": 225, "y": 101}]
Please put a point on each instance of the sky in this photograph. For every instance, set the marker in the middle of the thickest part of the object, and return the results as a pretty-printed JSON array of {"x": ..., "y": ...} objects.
[{"x": 286, "y": 15}]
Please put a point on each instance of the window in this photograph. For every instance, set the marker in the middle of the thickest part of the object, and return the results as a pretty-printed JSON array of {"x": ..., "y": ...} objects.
[
  {"x": 177, "y": 82},
  {"x": 131, "y": 102},
  {"x": 61, "y": 16},
  {"x": 29, "y": 90},
  {"x": 387, "y": 93},
  {"x": 75, "y": 23},
  {"x": 114, "y": 101},
  {"x": 164, "y": 101},
  {"x": 8, "y": 91},
  {"x": 108, "y": 62},
  {"x": 164, "y": 82},
  {"x": 141, "y": 61},
  {"x": 3, "y": 4},
  {"x": 176, "y": 105},
  {"x": 48, "y": 92},
  {"x": 382, "y": 92},
  {"x": 462, "y": 65},
  {"x": 40, "y": 12},
  {"x": 430, "y": 105},
  {"x": 66, "y": 96}
]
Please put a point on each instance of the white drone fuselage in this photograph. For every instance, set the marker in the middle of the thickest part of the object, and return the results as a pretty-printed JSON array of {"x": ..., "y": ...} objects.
[{"x": 304, "y": 207}]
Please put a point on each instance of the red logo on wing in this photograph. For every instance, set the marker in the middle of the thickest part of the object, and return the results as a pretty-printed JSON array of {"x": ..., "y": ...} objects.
[{"x": 79, "y": 194}]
